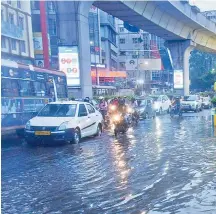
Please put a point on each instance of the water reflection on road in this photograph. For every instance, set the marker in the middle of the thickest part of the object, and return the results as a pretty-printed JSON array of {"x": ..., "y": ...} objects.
[{"x": 162, "y": 166}]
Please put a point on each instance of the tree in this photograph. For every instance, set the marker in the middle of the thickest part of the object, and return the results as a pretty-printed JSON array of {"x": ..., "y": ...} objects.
[{"x": 201, "y": 66}]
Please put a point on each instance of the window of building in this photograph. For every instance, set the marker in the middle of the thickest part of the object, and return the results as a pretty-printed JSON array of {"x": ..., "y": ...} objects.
[
  {"x": 21, "y": 22},
  {"x": 22, "y": 46},
  {"x": 122, "y": 53},
  {"x": 122, "y": 64},
  {"x": 11, "y": 18},
  {"x": 9, "y": 2},
  {"x": 18, "y": 3},
  {"x": 121, "y": 29},
  {"x": 135, "y": 40},
  {"x": 52, "y": 26},
  {"x": 13, "y": 44},
  {"x": 35, "y": 5},
  {"x": 50, "y": 5},
  {"x": 3, "y": 42},
  {"x": 135, "y": 56},
  {"x": 122, "y": 41}
]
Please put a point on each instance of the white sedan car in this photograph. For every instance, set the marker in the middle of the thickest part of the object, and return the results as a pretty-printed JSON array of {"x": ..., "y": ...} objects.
[
  {"x": 64, "y": 122},
  {"x": 161, "y": 103}
]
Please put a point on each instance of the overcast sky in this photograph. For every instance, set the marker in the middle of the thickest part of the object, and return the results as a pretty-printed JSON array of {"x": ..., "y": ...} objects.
[{"x": 204, "y": 5}]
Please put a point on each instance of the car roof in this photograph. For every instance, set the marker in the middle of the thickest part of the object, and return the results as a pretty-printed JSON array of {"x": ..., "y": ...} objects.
[{"x": 68, "y": 102}]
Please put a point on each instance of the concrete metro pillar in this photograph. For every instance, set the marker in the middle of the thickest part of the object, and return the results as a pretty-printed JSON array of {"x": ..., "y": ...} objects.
[
  {"x": 180, "y": 54},
  {"x": 73, "y": 29}
]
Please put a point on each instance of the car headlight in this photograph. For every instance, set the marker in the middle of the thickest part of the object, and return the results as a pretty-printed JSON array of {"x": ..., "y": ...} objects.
[
  {"x": 28, "y": 125},
  {"x": 63, "y": 126}
]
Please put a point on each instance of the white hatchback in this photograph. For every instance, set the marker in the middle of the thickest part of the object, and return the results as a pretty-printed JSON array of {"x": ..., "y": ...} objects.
[{"x": 64, "y": 121}]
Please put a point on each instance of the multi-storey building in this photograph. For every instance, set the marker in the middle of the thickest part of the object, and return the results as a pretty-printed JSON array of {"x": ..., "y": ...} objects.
[
  {"x": 139, "y": 53},
  {"x": 16, "y": 31},
  {"x": 50, "y": 21}
]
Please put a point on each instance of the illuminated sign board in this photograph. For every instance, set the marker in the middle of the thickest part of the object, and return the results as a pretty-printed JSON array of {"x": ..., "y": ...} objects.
[
  {"x": 178, "y": 79},
  {"x": 69, "y": 64}
]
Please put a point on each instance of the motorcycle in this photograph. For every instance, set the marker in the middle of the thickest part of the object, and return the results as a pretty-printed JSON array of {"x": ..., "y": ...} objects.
[
  {"x": 133, "y": 116},
  {"x": 120, "y": 123},
  {"x": 175, "y": 111}
]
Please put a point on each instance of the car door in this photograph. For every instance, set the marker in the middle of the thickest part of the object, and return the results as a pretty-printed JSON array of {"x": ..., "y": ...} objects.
[
  {"x": 84, "y": 121},
  {"x": 93, "y": 118}
]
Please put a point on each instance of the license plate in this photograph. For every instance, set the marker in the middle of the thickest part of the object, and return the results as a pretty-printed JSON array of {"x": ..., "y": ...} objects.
[{"x": 42, "y": 133}]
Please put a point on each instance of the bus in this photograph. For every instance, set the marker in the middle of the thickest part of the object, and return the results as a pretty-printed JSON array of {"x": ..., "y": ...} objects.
[
  {"x": 99, "y": 90},
  {"x": 25, "y": 89}
]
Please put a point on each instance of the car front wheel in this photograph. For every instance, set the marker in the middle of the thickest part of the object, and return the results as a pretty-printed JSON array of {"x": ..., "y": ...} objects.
[{"x": 76, "y": 137}]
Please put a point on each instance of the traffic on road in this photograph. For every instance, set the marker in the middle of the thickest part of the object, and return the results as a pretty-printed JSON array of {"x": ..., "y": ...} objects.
[{"x": 162, "y": 165}]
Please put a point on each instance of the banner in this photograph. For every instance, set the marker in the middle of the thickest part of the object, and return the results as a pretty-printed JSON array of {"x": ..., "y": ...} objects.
[
  {"x": 143, "y": 64},
  {"x": 69, "y": 64},
  {"x": 178, "y": 79}
]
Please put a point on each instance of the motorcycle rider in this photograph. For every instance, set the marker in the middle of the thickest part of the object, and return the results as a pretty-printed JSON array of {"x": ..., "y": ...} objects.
[
  {"x": 176, "y": 104},
  {"x": 103, "y": 106},
  {"x": 122, "y": 109}
]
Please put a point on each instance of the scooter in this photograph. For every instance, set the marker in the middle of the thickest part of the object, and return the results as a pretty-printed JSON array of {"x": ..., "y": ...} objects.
[{"x": 175, "y": 111}]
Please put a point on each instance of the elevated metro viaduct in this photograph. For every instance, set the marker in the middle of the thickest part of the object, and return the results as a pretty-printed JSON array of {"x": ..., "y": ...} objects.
[{"x": 180, "y": 24}]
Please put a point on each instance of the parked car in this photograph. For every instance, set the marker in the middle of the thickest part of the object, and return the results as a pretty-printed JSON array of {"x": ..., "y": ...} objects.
[
  {"x": 206, "y": 102},
  {"x": 191, "y": 103},
  {"x": 161, "y": 103},
  {"x": 145, "y": 108},
  {"x": 67, "y": 121}
]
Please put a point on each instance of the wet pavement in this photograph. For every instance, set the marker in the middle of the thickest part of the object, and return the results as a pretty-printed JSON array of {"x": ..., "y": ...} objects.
[{"x": 163, "y": 166}]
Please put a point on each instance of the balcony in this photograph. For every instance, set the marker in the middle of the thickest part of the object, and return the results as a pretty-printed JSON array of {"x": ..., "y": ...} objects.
[{"x": 11, "y": 30}]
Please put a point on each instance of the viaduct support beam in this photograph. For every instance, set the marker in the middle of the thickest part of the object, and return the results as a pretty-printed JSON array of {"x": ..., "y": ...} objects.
[
  {"x": 180, "y": 54},
  {"x": 74, "y": 31}
]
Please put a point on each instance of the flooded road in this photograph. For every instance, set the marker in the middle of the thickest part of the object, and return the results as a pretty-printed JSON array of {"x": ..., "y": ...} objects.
[{"x": 163, "y": 166}]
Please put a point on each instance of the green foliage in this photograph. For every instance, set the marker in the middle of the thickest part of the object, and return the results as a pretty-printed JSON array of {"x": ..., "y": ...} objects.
[
  {"x": 214, "y": 100},
  {"x": 202, "y": 73}
]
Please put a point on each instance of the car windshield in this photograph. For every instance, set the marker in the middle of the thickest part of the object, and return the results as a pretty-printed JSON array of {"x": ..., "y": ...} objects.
[
  {"x": 155, "y": 98},
  {"x": 141, "y": 103},
  {"x": 58, "y": 110},
  {"x": 190, "y": 98}
]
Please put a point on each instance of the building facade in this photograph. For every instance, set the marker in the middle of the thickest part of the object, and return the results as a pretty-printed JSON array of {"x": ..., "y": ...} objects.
[
  {"x": 140, "y": 56},
  {"x": 52, "y": 33},
  {"x": 16, "y": 31}
]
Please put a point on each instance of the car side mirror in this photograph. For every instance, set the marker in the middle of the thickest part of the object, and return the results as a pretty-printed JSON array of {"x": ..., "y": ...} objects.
[{"x": 83, "y": 114}]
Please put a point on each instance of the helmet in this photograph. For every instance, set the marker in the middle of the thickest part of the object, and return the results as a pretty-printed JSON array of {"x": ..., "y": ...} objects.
[
  {"x": 101, "y": 98},
  {"x": 87, "y": 99}
]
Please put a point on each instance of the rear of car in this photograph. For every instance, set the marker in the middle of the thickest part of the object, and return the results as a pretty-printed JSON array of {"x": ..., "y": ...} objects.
[{"x": 206, "y": 102}]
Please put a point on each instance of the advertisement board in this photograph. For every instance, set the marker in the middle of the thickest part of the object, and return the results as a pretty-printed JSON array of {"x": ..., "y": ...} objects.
[
  {"x": 38, "y": 43},
  {"x": 178, "y": 79},
  {"x": 69, "y": 64},
  {"x": 143, "y": 64}
]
